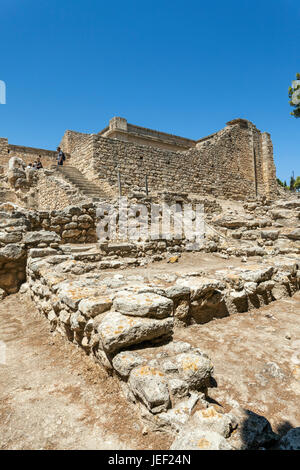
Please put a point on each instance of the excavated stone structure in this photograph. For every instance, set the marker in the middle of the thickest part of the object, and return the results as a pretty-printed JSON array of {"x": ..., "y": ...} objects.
[
  {"x": 236, "y": 162},
  {"x": 96, "y": 293}
]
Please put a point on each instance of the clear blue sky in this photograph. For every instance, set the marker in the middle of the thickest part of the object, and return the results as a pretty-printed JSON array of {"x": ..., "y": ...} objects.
[{"x": 184, "y": 67}]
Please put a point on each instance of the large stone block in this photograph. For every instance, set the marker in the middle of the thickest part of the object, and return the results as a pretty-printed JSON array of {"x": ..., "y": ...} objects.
[
  {"x": 118, "y": 331},
  {"x": 143, "y": 305}
]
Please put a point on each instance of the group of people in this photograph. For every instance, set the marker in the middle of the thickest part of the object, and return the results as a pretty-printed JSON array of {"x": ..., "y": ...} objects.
[{"x": 37, "y": 165}]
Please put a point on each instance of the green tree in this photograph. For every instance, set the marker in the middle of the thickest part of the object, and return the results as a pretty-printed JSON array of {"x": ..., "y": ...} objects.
[
  {"x": 280, "y": 182},
  {"x": 297, "y": 184},
  {"x": 292, "y": 182},
  {"x": 294, "y": 95}
]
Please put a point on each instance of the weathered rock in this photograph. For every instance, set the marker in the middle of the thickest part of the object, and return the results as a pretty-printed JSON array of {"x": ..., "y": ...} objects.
[
  {"x": 281, "y": 214},
  {"x": 143, "y": 305},
  {"x": 209, "y": 419},
  {"x": 258, "y": 275},
  {"x": 175, "y": 417},
  {"x": 42, "y": 252},
  {"x": 72, "y": 292},
  {"x": 150, "y": 386},
  {"x": 11, "y": 252},
  {"x": 95, "y": 305},
  {"x": 118, "y": 331},
  {"x": 77, "y": 321},
  {"x": 269, "y": 234},
  {"x": 73, "y": 233},
  {"x": 294, "y": 235},
  {"x": 200, "y": 286},
  {"x": 34, "y": 238},
  {"x": 196, "y": 439},
  {"x": 194, "y": 369},
  {"x": 125, "y": 361},
  {"x": 10, "y": 237}
]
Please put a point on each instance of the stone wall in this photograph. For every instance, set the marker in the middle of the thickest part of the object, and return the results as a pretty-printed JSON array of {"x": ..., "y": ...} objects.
[
  {"x": 120, "y": 129},
  {"x": 4, "y": 155},
  {"x": 50, "y": 196},
  {"x": 234, "y": 163},
  {"x": 28, "y": 154}
]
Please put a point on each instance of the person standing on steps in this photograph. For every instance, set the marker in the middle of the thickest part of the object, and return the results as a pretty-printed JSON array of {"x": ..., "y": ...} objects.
[{"x": 60, "y": 157}]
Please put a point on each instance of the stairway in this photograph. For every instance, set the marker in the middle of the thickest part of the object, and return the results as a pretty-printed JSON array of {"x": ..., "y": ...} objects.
[{"x": 83, "y": 185}]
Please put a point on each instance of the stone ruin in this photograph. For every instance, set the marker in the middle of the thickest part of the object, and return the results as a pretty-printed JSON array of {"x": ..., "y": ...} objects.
[{"x": 94, "y": 292}]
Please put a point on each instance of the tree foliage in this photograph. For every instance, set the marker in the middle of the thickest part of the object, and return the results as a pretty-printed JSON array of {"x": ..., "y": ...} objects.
[
  {"x": 297, "y": 184},
  {"x": 294, "y": 95}
]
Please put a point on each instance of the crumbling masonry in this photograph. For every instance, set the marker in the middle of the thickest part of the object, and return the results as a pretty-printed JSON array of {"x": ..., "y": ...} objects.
[{"x": 97, "y": 294}]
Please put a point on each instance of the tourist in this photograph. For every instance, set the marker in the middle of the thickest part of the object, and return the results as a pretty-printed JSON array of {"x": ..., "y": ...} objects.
[
  {"x": 60, "y": 156},
  {"x": 39, "y": 164},
  {"x": 29, "y": 166},
  {"x": 34, "y": 166}
]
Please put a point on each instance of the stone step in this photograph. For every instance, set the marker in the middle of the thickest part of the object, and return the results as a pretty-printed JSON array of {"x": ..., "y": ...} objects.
[{"x": 87, "y": 188}]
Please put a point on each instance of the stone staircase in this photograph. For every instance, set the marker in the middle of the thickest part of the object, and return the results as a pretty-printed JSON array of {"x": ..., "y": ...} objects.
[{"x": 89, "y": 189}]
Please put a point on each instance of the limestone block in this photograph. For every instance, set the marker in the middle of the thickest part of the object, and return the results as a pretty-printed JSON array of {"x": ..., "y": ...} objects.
[
  {"x": 95, "y": 305},
  {"x": 269, "y": 234},
  {"x": 118, "y": 331},
  {"x": 258, "y": 275},
  {"x": 74, "y": 233},
  {"x": 10, "y": 237},
  {"x": 200, "y": 286},
  {"x": 150, "y": 386},
  {"x": 197, "y": 439},
  {"x": 125, "y": 361},
  {"x": 34, "y": 238},
  {"x": 195, "y": 369},
  {"x": 143, "y": 305}
]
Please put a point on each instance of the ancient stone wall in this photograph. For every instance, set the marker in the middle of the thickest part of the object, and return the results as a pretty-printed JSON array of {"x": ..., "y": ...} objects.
[
  {"x": 120, "y": 129},
  {"x": 28, "y": 154},
  {"x": 269, "y": 169},
  {"x": 81, "y": 149},
  {"x": 4, "y": 151},
  {"x": 49, "y": 195},
  {"x": 234, "y": 163}
]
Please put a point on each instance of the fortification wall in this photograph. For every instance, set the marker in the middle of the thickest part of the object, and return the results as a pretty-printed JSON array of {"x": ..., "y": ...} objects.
[{"x": 236, "y": 163}]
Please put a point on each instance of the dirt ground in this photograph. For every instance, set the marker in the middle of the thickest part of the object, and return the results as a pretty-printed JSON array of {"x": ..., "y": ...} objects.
[
  {"x": 52, "y": 396},
  {"x": 243, "y": 348}
]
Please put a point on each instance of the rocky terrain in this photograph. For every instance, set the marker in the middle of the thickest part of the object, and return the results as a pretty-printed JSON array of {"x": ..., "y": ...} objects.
[{"x": 158, "y": 318}]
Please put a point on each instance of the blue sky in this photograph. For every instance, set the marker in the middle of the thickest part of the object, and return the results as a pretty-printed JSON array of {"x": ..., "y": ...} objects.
[{"x": 181, "y": 67}]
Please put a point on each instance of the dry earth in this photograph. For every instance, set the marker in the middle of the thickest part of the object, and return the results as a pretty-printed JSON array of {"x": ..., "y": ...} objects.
[{"x": 52, "y": 396}]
